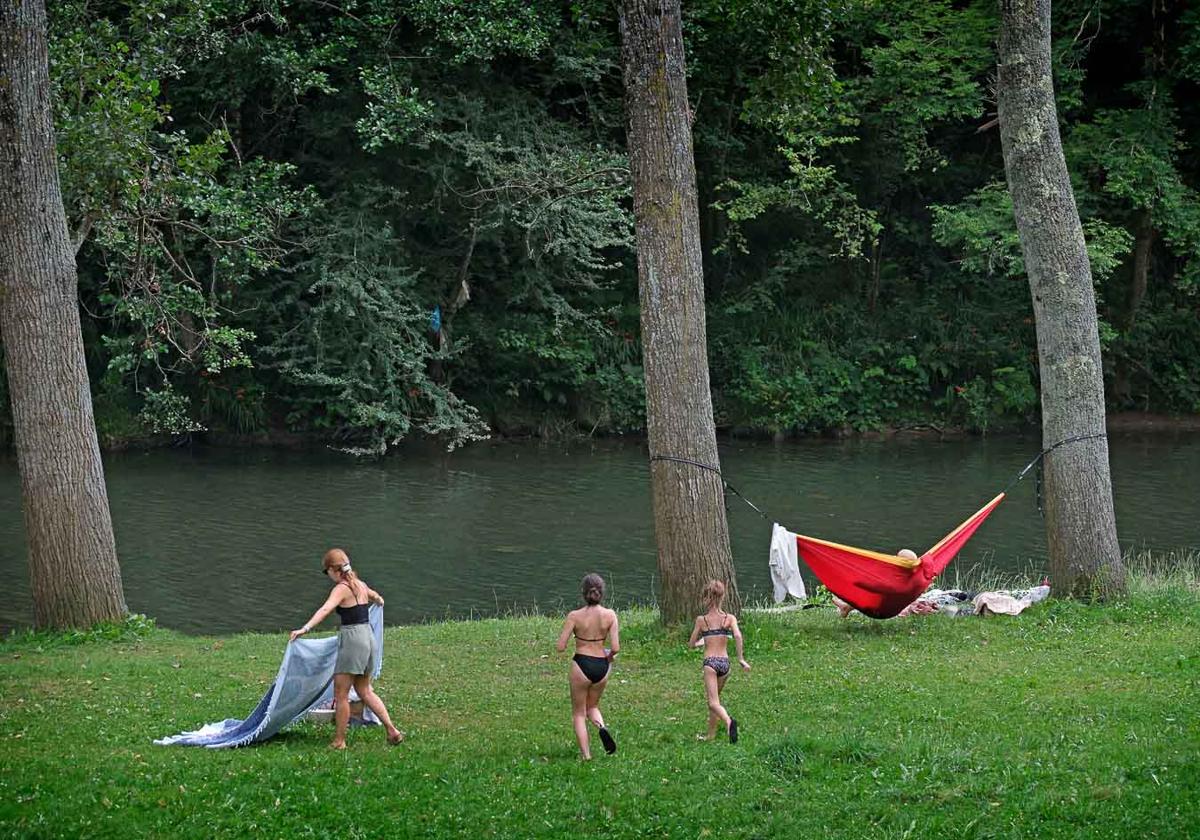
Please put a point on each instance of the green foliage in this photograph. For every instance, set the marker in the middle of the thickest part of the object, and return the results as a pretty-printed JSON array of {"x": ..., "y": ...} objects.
[
  {"x": 1008, "y": 392},
  {"x": 273, "y": 198},
  {"x": 238, "y": 404},
  {"x": 108, "y": 65},
  {"x": 590, "y": 371},
  {"x": 1131, "y": 156},
  {"x": 178, "y": 223},
  {"x": 166, "y": 412},
  {"x": 925, "y": 63},
  {"x": 395, "y": 111},
  {"x": 360, "y": 349},
  {"x": 1141, "y": 376},
  {"x": 135, "y": 626},
  {"x": 479, "y": 30},
  {"x": 790, "y": 380},
  {"x": 118, "y": 420},
  {"x": 982, "y": 230}
]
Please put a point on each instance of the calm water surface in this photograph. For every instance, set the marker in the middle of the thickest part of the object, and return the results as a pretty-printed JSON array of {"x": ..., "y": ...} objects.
[{"x": 221, "y": 541}]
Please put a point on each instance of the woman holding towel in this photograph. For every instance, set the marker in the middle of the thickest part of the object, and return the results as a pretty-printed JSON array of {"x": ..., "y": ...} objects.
[{"x": 356, "y": 645}]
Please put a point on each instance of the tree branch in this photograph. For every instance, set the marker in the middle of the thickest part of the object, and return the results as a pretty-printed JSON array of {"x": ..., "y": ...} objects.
[{"x": 81, "y": 233}]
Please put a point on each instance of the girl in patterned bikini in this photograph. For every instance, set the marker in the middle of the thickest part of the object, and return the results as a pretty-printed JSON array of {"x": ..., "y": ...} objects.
[{"x": 712, "y": 632}]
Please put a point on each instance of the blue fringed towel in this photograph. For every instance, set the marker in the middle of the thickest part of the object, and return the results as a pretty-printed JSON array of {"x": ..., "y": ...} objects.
[{"x": 305, "y": 680}]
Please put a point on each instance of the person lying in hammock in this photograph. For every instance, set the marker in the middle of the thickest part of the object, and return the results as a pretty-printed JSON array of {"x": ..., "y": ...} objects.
[{"x": 916, "y": 607}]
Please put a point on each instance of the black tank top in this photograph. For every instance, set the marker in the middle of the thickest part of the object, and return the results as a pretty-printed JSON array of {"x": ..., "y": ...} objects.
[{"x": 353, "y": 615}]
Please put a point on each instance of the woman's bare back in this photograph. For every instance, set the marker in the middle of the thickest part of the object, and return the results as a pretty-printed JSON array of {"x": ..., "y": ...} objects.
[
  {"x": 353, "y": 593},
  {"x": 592, "y": 626}
]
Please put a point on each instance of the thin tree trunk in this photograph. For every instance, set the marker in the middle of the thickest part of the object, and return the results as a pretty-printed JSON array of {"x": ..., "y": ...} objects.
[
  {"x": 1085, "y": 559},
  {"x": 689, "y": 506},
  {"x": 1142, "y": 249},
  {"x": 72, "y": 557},
  {"x": 876, "y": 274}
]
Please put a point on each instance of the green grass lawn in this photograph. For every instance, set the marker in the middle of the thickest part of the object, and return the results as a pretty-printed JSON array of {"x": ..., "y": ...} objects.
[{"x": 1068, "y": 721}]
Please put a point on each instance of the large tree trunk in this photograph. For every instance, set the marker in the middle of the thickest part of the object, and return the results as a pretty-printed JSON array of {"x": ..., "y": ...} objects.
[
  {"x": 689, "y": 505},
  {"x": 1085, "y": 559},
  {"x": 72, "y": 557}
]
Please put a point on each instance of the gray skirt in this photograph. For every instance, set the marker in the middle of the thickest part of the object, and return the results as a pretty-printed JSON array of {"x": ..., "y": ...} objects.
[{"x": 356, "y": 650}]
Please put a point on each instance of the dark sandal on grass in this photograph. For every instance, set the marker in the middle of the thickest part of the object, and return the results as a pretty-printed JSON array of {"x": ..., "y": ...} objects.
[
  {"x": 610, "y": 746},
  {"x": 393, "y": 740},
  {"x": 733, "y": 733}
]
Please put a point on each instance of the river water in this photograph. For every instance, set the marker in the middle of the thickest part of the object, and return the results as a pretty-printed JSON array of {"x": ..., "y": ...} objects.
[{"x": 219, "y": 541}]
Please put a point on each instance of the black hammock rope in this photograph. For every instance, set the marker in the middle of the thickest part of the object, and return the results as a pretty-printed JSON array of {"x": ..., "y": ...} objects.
[{"x": 1037, "y": 461}]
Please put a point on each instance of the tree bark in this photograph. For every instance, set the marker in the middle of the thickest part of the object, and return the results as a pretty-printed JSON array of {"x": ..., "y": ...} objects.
[
  {"x": 689, "y": 505},
  {"x": 1081, "y": 533},
  {"x": 72, "y": 556}
]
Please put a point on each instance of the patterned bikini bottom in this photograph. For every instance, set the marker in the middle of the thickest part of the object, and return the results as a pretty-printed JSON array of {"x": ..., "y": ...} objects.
[{"x": 719, "y": 664}]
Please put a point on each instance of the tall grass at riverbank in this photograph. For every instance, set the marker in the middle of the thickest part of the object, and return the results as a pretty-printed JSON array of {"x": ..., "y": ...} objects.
[{"x": 1070, "y": 720}]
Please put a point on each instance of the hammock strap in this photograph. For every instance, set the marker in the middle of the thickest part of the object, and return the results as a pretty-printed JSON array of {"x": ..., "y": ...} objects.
[
  {"x": 1036, "y": 462},
  {"x": 710, "y": 468}
]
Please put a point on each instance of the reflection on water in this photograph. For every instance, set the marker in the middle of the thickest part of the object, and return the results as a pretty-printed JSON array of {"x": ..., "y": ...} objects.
[{"x": 220, "y": 541}]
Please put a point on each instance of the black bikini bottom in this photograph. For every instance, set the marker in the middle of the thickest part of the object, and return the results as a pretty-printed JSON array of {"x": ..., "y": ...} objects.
[{"x": 595, "y": 668}]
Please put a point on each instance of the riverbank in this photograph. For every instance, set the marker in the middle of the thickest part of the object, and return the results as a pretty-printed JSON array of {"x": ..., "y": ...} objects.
[
  {"x": 1068, "y": 721},
  {"x": 130, "y": 436}
]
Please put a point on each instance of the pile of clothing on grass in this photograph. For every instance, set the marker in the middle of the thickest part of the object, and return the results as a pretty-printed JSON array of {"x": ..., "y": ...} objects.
[{"x": 992, "y": 602}]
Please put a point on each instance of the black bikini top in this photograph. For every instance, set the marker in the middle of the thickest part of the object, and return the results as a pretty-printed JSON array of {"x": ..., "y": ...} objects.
[
  {"x": 580, "y": 638},
  {"x": 358, "y": 614}
]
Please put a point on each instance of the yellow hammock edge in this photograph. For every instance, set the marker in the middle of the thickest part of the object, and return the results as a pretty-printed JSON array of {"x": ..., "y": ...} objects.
[
  {"x": 903, "y": 562},
  {"x": 970, "y": 519},
  {"x": 896, "y": 560}
]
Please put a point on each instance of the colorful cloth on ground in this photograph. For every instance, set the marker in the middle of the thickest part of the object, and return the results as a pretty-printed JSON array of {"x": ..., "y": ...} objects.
[
  {"x": 954, "y": 602},
  {"x": 881, "y": 585},
  {"x": 785, "y": 570},
  {"x": 305, "y": 680},
  {"x": 1009, "y": 603}
]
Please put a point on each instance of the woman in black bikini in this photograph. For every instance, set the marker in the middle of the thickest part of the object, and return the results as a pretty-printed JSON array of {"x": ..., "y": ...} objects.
[
  {"x": 590, "y": 625},
  {"x": 356, "y": 645},
  {"x": 712, "y": 632}
]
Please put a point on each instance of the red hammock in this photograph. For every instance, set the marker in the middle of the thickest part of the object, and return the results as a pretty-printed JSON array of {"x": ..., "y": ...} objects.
[{"x": 881, "y": 585}]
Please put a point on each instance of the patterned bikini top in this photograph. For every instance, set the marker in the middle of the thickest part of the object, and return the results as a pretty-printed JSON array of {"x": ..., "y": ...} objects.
[{"x": 715, "y": 631}]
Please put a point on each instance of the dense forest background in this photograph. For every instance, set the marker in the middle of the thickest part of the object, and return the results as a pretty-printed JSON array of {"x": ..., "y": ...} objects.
[{"x": 362, "y": 221}]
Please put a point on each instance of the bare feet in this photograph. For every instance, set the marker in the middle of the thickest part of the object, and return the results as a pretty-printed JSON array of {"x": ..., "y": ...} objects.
[
  {"x": 337, "y": 745},
  {"x": 395, "y": 737}
]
